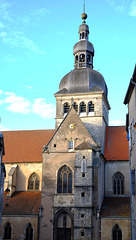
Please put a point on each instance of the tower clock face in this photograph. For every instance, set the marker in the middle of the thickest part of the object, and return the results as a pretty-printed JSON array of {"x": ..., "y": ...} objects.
[{"x": 72, "y": 126}]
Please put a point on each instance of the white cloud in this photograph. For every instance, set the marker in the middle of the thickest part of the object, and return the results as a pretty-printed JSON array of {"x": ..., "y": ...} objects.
[
  {"x": 40, "y": 12},
  {"x": 0, "y": 92},
  {"x": 124, "y": 6},
  {"x": 17, "y": 104},
  {"x": 117, "y": 123},
  {"x": 22, "y": 105},
  {"x": 28, "y": 87},
  {"x": 17, "y": 39},
  {"x": 43, "y": 109},
  {"x": 133, "y": 9},
  {"x": 2, "y": 128},
  {"x": 4, "y": 9}
]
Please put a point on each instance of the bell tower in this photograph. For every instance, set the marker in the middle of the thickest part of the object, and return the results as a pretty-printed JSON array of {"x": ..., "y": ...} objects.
[{"x": 84, "y": 89}]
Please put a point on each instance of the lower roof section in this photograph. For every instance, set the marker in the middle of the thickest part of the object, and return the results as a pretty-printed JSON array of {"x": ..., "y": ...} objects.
[
  {"x": 118, "y": 207},
  {"x": 22, "y": 203}
]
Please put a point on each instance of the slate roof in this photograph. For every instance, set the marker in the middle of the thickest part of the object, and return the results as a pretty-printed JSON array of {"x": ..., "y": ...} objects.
[
  {"x": 116, "y": 143},
  {"x": 25, "y": 146},
  {"x": 115, "y": 207},
  {"x": 22, "y": 203}
]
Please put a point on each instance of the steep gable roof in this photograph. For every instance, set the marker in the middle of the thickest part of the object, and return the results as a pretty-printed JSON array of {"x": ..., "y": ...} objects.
[
  {"x": 63, "y": 131},
  {"x": 116, "y": 143},
  {"x": 25, "y": 146}
]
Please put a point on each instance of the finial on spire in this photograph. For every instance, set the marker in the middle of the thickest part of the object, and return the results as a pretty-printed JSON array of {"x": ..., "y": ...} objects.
[
  {"x": 84, "y": 15},
  {"x": 84, "y": 7}
]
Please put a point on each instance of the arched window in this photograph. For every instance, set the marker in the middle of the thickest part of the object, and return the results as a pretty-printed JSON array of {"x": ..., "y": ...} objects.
[
  {"x": 75, "y": 107},
  {"x": 64, "y": 180},
  {"x": 76, "y": 59},
  {"x": 88, "y": 58},
  {"x": 82, "y": 107},
  {"x": 28, "y": 232},
  {"x": 7, "y": 231},
  {"x": 118, "y": 183},
  {"x": 116, "y": 233},
  {"x": 66, "y": 107},
  {"x": 82, "y": 58},
  {"x": 33, "y": 182},
  {"x": 90, "y": 107}
]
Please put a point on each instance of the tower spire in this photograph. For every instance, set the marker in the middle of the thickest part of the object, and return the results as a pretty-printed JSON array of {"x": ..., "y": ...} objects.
[
  {"x": 84, "y": 15},
  {"x": 84, "y": 7}
]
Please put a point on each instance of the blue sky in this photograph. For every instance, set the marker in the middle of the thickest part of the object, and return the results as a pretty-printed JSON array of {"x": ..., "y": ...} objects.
[{"x": 36, "y": 51}]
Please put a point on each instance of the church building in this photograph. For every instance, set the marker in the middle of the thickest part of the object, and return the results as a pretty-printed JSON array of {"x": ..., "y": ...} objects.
[{"x": 71, "y": 183}]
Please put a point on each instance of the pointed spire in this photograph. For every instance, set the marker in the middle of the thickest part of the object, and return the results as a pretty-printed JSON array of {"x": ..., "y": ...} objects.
[{"x": 84, "y": 15}]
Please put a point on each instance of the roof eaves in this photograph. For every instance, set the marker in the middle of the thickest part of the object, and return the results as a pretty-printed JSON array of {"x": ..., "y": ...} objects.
[{"x": 130, "y": 87}]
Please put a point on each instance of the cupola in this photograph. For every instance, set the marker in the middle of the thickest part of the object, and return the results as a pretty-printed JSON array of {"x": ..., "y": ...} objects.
[{"x": 83, "y": 50}]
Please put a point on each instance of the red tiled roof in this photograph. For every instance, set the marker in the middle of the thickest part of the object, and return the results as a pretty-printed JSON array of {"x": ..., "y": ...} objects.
[
  {"x": 116, "y": 207},
  {"x": 25, "y": 146},
  {"x": 116, "y": 143},
  {"x": 22, "y": 203}
]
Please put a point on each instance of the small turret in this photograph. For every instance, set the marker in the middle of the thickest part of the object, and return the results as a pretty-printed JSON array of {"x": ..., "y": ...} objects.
[{"x": 83, "y": 50}]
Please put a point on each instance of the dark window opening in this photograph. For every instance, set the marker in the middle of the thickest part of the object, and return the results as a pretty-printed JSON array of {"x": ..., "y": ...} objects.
[
  {"x": 90, "y": 107},
  {"x": 116, "y": 233},
  {"x": 29, "y": 232},
  {"x": 82, "y": 107},
  {"x": 75, "y": 107},
  {"x": 82, "y": 233},
  {"x": 82, "y": 194},
  {"x": 54, "y": 145},
  {"x": 64, "y": 181},
  {"x": 82, "y": 58},
  {"x": 7, "y": 231},
  {"x": 82, "y": 215},
  {"x": 118, "y": 183},
  {"x": 88, "y": 58},
  {"x": 76, "y": 59},
  {"x": 66, "y": 107},
  {"x": 83, "y": 174}
]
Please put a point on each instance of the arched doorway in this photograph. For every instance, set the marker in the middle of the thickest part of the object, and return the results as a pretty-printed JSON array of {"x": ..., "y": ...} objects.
[{"x": 63, "y": 225}]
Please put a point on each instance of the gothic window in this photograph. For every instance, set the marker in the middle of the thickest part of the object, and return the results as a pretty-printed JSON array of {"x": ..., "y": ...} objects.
[
  {"x": 116, "y": 233},
  {"x": 29, "y": 232},
  {"x": 33, "y": 182},
  {"x": 76, "y": 59},
  {"x": 64, "y": 180},
  {"x": 82, "y": 58},
  {"x": 82, "y": 107},
  {"x": 7, "y": 231},
  {"x": 75, "y": 107},
  {"x": 83, "y": 35},
  {"x": 118, "y": 183},
  {"x": 90, "y": 107},
  {"x": 66, "y": 107}
]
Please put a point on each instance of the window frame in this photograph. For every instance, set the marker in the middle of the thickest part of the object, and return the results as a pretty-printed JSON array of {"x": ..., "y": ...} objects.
[
  {"x": 34, "y": 182},
  {"x": 64, "y": 183},
  {"x": 118, "y": 181}
]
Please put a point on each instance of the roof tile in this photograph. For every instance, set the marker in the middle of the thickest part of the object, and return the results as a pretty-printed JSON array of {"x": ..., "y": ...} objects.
[
  {"x": 22, "y": 203},
  {"x": 116, "y": 143},
  {"x": 25, "y": 146}
]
